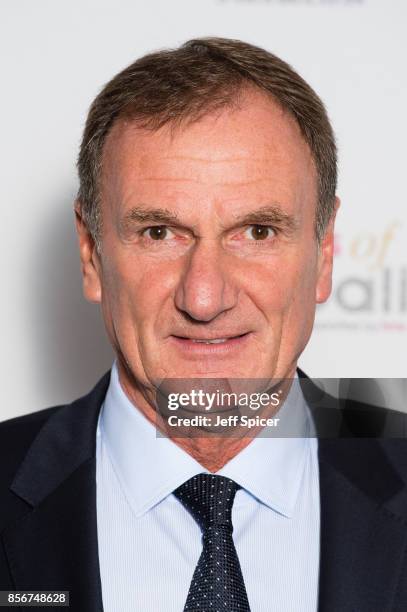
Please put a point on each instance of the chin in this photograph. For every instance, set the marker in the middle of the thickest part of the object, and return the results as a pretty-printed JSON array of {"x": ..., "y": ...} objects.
[{"x": 219, "y": 371}]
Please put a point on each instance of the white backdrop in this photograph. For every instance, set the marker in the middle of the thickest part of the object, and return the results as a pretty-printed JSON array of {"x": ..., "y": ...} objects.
[{"x": 55, "y": 57}]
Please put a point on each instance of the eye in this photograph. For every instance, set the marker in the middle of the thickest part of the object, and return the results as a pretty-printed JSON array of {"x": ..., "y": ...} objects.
[
  {"x": 157, "y": 232},
  {"x": 259, "y": 232}
]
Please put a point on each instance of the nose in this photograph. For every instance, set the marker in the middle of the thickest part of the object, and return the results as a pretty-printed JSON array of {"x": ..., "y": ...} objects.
[{"x": 206, "y": 288}]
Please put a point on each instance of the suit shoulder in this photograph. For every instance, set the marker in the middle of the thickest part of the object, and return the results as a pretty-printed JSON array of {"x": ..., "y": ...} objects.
[
  {"x": 24, "y": 425},
  {"x": 28, "y": 420},
  {"x": 16, "y": 436}
]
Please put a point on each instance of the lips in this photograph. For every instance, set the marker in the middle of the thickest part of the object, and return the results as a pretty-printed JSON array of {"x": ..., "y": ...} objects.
[
  {"x": 214, "y": 341},
  {"x": 217, "y": 340},
  {"x": 215, "y": 344}
]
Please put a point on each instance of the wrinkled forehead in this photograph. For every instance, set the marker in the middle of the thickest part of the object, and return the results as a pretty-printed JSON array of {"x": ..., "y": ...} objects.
[{"x": 253, "y": 145}]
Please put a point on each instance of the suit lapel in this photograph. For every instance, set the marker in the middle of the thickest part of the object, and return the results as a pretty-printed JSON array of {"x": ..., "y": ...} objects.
[
  {"x": 363, "y": 528},
  {"x": 53, "y": 545}
]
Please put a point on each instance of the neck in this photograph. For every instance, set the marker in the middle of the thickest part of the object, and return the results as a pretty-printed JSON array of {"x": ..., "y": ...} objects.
[{"x": 210, "y": 449}]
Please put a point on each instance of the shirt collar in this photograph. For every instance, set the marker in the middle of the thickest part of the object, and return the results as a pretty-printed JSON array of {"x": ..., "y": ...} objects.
[{"x": 150, "y": 467}]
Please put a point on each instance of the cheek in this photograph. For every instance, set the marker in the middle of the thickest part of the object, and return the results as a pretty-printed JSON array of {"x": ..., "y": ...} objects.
[
  {"x": 134, "y": 290},
  {"x": 300, "y": 312},
  {"x": 286, "y": 285}
]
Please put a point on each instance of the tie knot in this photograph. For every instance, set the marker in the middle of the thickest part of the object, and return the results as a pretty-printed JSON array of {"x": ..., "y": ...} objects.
[{"x": 209, "y": 498}]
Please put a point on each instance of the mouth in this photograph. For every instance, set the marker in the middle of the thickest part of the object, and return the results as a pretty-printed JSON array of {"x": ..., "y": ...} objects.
[{"x": 211, "y": 345}]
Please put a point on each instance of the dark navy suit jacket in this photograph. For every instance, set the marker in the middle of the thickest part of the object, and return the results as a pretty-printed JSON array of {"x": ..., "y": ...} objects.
[{"x": 48, "y": 526}]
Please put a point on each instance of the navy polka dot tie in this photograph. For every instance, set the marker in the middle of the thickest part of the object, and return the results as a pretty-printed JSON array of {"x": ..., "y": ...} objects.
[{"x": 217, "y": 583}]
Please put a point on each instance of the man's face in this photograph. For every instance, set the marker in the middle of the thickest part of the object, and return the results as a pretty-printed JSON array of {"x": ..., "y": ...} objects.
[{"x": 208, "y": 234}]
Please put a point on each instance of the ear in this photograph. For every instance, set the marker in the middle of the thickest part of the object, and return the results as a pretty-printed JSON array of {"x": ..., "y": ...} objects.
[
  {"x": 325, "y": 260},
  {"x": 90, "y": 261}
]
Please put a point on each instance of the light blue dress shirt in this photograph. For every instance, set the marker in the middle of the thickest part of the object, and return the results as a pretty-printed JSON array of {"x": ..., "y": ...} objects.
[{"x": 149, "y": 544}]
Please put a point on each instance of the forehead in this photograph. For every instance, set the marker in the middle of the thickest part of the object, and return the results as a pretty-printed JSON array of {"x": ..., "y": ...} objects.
[{"x": 255, "y": 145}]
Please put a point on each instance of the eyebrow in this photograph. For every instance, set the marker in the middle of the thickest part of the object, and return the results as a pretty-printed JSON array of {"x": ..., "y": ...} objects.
[
  {"x": 270, "y": 215},
  {"x": 138, "y": 214}
]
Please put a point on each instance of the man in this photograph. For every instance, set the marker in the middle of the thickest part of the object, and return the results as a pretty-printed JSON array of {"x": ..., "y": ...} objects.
[{"x": 205, "y": 219}]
